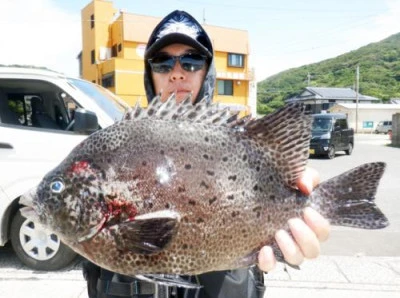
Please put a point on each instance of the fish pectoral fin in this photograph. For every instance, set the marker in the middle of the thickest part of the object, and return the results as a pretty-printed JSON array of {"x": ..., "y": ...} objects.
[
  {"x": 169, "y": 280},
  {"x": 148, "y": 233}
]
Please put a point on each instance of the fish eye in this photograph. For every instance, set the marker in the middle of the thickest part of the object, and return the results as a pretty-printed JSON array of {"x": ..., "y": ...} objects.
[{"x": 57, "y": 185}]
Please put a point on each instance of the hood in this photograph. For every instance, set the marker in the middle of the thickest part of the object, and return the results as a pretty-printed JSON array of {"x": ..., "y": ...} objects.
[{"x": 180, "y": 27}]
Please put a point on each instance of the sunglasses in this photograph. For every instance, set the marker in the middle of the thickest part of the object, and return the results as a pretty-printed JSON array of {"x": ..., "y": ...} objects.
[{"x": 164, "y": 63}]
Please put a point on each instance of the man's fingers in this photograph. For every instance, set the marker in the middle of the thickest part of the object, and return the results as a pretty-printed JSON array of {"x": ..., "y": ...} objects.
[
  {"x": 266, "y": 259},
  {"x": 317, "y": 223},
  {"x": 305, "y": 238},
  {"x": 308, "y": 180},
  {"x": 289, "y": 248}
]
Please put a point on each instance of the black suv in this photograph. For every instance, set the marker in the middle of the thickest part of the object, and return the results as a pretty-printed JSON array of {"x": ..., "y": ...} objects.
[{"x": 331, "y": 133}]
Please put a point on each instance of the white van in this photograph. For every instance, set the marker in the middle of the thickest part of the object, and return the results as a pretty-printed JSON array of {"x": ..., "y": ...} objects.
[
  {"x": 384, "y": 127},
  {"x": 43, "y": 116}
]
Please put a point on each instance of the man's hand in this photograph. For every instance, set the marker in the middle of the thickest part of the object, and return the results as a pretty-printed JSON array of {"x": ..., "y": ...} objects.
[{"x": 307, "y": 232}]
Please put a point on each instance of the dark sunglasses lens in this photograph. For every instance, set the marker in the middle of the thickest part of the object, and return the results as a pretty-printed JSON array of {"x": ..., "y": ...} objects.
[
  {"x": 192, "y": 62},
  {"x": 162, "y": 64}
]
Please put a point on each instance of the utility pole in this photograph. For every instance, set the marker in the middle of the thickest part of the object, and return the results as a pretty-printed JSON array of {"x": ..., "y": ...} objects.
[
  {"x": 308, "y": 79},
  {"x": 357, "y": 89}
]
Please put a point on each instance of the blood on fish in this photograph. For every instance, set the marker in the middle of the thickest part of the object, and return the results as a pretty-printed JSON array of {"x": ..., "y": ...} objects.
[
  {"x": 79, "y": 166},
  {"x": 117, "y": 208}
]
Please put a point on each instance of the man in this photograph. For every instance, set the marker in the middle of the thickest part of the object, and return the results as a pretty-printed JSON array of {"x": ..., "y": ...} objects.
[{"x": 179, "y": 59}]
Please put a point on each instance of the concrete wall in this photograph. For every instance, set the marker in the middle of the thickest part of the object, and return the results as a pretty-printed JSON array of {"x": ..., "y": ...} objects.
[{"x": 396, "y": 129}]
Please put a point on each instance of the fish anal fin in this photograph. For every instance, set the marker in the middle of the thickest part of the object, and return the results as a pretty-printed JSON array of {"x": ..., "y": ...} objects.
[
  {"x": 285, "y": 135},
  {"x": 147, "y": 234}
]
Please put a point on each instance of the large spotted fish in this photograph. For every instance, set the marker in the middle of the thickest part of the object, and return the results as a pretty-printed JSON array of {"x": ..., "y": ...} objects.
[{"x": 183, "y": 189}]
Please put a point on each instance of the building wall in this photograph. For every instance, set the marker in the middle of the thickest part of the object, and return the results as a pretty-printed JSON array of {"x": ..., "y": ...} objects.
[
  {"x": 115, "y": 34},
  {"x": 96, "y": 38},
  {"x": 364, "y": 116},
  {"x": 396, "y": 129}
]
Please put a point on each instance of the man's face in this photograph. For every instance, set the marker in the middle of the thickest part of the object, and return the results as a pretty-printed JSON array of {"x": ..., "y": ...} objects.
[{"x": 178, "y": 80}]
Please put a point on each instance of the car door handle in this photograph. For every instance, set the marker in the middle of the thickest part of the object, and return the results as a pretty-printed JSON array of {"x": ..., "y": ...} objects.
[{"x": 6, "y": 146}]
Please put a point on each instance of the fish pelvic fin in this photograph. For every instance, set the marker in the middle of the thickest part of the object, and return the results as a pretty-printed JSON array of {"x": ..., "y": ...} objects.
[
  {"x": 148, "y": 233},
  {"x": 348, "y": 199},
  {"x": 285, "y": 135},
  {"x": 170, "y": 280}
]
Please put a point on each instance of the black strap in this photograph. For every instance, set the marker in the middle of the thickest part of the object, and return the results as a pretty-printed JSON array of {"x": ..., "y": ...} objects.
[{"x": 135, "y": 289}]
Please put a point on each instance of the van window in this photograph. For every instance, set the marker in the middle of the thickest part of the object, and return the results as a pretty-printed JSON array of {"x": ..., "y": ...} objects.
[
  {"x": 33, "y": 103},
  {"x": 342, "y": 123},
  {"x": 321, "y": 124}
]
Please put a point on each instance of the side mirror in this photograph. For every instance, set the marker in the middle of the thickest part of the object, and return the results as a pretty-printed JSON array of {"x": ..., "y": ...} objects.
[{"x": 85, "y": 121}]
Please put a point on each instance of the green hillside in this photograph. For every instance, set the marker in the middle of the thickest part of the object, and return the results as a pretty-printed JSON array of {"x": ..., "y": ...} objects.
[{"x": 379, "y": 75}]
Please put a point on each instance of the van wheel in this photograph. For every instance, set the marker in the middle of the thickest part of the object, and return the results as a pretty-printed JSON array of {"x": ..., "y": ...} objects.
[
  {"x": 350, "y": 150},
  {"x": 331, "y": 152},
  {"x": 38, "y": 248}
]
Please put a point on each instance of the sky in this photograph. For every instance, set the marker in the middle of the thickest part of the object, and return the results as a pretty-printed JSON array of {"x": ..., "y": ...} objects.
[{"x": 283, "y": 34}]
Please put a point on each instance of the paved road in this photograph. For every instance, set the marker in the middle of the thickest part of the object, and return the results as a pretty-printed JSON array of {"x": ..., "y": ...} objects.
[{"x": 354, "y": 262}]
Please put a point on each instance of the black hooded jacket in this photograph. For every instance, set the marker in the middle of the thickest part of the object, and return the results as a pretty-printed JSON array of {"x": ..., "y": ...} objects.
[{"x": 179, "y": 27}]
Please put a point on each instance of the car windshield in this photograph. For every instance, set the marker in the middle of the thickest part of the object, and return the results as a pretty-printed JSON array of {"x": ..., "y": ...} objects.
[
  {"x": 108, "y": 102},
  {"x": 321, "y": 124}
]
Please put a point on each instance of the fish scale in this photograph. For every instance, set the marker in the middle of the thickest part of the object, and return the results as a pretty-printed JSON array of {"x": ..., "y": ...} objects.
[{"x": 183, "y": 189}]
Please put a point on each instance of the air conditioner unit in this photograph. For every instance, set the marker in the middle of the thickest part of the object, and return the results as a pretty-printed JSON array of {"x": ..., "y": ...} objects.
[{"x": 104, "y": 53}]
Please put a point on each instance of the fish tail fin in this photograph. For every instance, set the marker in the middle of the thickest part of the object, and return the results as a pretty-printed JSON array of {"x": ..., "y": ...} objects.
[{"x": 348, "y": 199}]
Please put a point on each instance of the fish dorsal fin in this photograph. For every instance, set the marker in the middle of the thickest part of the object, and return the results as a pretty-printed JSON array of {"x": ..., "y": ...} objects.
[
  {"x": 285, "y": 135},
  {"x": 202, "y": 112}
]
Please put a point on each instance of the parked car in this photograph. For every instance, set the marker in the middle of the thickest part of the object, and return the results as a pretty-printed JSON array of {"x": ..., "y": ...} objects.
[
  {"x": 384, "y": 127},
  {"x": 43, "y": 116},
  {"x": 330, "y": 134}
]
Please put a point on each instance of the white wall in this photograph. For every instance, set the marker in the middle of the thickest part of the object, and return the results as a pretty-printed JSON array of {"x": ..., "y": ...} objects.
[{"x": 375, "y": 115}]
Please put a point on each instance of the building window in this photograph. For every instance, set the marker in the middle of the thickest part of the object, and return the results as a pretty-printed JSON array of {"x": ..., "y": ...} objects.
[
  {"x": 107, "y": 80},
  {"x": 225, "y": 87},
  {"x": 325, "y": 106},
  {"x": 93, "y": 57},
  {"x": 114, "y": 51},
  {"x": 92, "y": 21},
  {"x": 235, "y": 60},
  {"x": 119, "y": 47}
]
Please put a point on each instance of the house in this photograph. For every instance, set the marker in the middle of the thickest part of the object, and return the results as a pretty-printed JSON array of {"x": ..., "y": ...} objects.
[
  {"x": 369, "y": 115},
  {"x": 319, "y": 99},
  {"x": 113, "y": 44}
]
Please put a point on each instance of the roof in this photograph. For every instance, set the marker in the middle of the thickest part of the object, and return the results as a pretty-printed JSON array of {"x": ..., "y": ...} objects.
[
  {"x": 331, "y": 93},
  {"x": 330, "y": 115},
  {"x": 369, "y": 106},
  {"x": 30, "y": 71}
]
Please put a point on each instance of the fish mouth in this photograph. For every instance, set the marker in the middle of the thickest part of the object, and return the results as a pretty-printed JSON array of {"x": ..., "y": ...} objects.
[{"x": 26, "y": 200}]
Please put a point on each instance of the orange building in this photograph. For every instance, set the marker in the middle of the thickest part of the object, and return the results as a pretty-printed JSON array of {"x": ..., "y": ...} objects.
[{"x": 113, "y": 44}]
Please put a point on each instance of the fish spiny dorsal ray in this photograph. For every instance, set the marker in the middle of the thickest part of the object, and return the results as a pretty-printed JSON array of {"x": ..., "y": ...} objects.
[
  {"x": 285, "y": 135},
  {"x": 202, "y": 112},
  {"x": 134, "y": 113}
]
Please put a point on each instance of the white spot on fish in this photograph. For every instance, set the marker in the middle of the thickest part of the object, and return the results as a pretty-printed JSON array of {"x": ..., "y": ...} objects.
[
  {"x": 163, "y": 175},
  {"x": 166, "y": 171}
]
